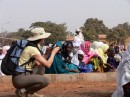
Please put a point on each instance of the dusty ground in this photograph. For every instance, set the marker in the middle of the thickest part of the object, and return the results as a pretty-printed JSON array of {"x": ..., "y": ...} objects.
[{"x": 68, "y": 89}]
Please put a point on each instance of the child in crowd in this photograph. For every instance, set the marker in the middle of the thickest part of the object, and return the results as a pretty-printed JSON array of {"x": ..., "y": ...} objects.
[{"x": 77, "y": 60}]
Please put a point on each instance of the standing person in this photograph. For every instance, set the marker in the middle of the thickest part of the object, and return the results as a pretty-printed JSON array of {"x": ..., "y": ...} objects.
[
  {"x": 78, "y": 39},
  {"x": 79, "y": 34},
  {"x": 123, "y": 76},
  {"x": 25, "y": 81}
]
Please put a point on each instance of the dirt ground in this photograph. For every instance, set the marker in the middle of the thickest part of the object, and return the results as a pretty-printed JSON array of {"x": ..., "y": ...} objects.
[{"x": 68, "y": 89}]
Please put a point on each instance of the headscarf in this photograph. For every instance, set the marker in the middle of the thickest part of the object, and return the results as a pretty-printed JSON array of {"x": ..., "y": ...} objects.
[
  {"x": 65, "y": 53},
  {"x": 85, "y": 47},
  {"x": 75, "y": 57},
  {"x": 99, "y": 44},
  {"x": 104, "y": 47},
  {"x": 123, "y": 73},
  {"x": 58, "y": 66},
  {"x": 94, "y": 45},
  {"x": 101, "y": 52},
  {"x": 57, "y": 44}
]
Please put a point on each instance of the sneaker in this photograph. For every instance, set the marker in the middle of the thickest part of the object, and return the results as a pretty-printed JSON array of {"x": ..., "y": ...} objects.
[
  {"x": 36, "y": 95},
  {"x": 19, "y": 93}
]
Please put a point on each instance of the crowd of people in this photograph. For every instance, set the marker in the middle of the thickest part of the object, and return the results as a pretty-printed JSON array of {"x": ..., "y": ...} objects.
[
  {"x": 80, "y": 56},
  {"x": 62, "y": 57}
]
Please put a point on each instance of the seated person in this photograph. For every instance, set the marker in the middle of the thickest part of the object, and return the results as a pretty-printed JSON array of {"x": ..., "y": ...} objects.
[
  {"x": 85, "y": 47},
  {"x": 104, "y": 52},
  {"x": 58, "y": 66},
  {"x": 77, "y": 61},
  {"x": 67, "y": 54},
  {"x": 111, "y": 59},
  {"x": 66, "y": 51}
]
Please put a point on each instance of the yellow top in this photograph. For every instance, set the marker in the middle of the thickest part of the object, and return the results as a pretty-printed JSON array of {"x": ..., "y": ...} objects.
[{"x": 25, "y": 56}]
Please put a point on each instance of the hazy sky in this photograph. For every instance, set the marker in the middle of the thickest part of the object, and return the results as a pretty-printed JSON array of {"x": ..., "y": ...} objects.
[{"x": 15, "y": 14}]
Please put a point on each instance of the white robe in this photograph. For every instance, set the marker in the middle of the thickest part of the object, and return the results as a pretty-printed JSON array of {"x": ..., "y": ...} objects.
[
  {"x": 123, "y": 73},
  {"x": 75, "y": 59}
]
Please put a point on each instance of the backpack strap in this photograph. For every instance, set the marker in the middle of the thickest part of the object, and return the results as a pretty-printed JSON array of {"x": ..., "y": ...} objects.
[
  {"x": 34, "y": 45},
  {"x": 31, "y": 59}
]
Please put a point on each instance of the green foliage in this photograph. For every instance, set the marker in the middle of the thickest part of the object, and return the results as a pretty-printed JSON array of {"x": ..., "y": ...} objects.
[
  {"x": 119, "y": 33},
  {"x": 92, "y": 28},
  {"x": 20, "y": 34},
  {"x": 58, "y": 31}
]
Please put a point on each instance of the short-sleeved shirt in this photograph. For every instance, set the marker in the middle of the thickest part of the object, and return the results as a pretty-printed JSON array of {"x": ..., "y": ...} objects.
[{"x": 28, "y": 53}]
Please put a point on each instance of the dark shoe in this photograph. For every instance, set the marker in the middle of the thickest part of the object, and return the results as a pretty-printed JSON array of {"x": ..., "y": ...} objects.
[{"x": 19, "y": 93}]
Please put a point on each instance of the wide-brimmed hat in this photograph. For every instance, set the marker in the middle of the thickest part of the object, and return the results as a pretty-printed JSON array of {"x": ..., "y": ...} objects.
[{"x": 38, "y": 33}]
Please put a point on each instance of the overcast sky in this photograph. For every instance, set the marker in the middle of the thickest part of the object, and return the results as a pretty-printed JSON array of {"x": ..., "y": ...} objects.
[{"x": 15, "y": 14}]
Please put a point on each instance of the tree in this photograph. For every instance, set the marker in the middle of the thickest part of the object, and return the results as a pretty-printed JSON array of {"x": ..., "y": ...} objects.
[
  {"x": 119, "y": 33},
  {"x": 20, "y": 34},
  {"x": 92, "y": 28},
  {"x": 58, "y": 31}
]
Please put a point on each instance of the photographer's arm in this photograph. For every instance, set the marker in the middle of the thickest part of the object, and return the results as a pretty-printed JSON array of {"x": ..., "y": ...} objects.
[{"x": 47, "y": 63}]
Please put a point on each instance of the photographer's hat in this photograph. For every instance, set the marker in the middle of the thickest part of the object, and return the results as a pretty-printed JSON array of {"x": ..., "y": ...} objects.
[{"x": 38, "y": 33}]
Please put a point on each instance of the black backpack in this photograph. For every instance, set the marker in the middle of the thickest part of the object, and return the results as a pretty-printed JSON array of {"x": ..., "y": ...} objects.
[{"x": 11, "y": 59}]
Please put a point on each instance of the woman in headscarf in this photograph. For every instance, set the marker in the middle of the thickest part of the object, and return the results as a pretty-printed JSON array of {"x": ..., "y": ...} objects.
[
  {"x": 101, "y": 51},
  {"x": 67, "y": 51},
  {"x": 58, "y": 66},
  {"x": 123, "y": 76},
  {"x": 94, "y": 46},
  {"x": 85, "y": 47},
  {"x": 67, "y": 54}
]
